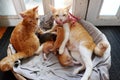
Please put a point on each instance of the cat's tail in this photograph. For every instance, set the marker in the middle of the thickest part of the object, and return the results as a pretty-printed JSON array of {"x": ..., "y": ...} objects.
[
  {"x": 7, "y": 63},
  {"x": 100, "y": 48}
]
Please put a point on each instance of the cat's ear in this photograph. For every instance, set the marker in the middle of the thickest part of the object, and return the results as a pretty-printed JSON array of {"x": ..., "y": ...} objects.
[
  {"x": 35, "y": 8},
  {"x": 68, "y": 7},
  {"x": 52, "y": 9},
  {"x": 23, "y": 15}
]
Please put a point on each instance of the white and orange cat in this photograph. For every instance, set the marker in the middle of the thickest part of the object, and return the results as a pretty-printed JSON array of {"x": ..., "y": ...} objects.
[
  {"x": 78, "y": 41},
  {"x": 23, "y": 39},
  {"x": 61, "y": 19}
]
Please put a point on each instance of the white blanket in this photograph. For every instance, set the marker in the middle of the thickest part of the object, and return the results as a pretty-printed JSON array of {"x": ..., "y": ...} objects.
[{"x": 35, "y": 68}]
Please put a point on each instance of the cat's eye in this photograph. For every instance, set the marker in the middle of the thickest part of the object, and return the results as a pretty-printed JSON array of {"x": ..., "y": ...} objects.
[
  {"x": 30, "y": 21},
  {"x": 37, "y": 18},
  {"x": 57, "y": 15},
  {"x": 64, "y": 15}
]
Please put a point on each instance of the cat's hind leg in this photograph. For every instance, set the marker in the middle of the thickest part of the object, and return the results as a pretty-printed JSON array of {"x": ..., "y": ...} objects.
[
  {"x": 7, "y": 63},
  {"x": 86, "y": 57}
]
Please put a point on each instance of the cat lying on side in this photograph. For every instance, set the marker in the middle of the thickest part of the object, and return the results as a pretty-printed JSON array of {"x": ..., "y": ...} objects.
[
  {"x": 23, "y": 39},
  {"x": 78, "y": 41}
]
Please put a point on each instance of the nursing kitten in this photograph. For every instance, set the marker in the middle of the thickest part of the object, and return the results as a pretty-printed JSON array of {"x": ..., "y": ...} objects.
[
  {"x": 23, "y": 39},
  {"x": 65, "y": 58},
  {"x": 79, "y": 42},
  {"x": 47, "y": 46}
]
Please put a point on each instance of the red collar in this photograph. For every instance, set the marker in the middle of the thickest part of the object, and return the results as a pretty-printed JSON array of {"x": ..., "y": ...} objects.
[
  {"x": 73, "y": 19},
  {"x": 70, "y": 18}
]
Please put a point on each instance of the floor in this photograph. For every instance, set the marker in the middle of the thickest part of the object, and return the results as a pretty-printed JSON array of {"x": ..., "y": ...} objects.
[
  {"x": 4, "y": 41},
  {"x": 2, "y": 31},
  {"x": 112, "y": 33}
]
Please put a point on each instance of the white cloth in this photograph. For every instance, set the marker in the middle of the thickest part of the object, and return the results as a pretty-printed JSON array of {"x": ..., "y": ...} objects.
[{"x": 35, "y": 68}]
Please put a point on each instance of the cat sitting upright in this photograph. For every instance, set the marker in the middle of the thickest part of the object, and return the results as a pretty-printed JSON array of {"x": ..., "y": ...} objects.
[
  {"x": 23, "y": 39},
  {"x": 61, "y": 18},
  {"x": 78, "y": 41}
]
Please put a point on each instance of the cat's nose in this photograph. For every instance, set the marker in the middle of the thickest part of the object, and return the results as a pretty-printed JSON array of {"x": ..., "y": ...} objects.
[{"x": 60, "y": 19}]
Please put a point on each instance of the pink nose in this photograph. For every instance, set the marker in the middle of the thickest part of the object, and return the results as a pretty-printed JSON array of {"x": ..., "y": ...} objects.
[{"x": 60, "y": 19}]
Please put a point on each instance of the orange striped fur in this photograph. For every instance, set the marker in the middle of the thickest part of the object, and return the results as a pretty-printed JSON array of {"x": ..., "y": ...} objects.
[{"x": 23, "y": 39}]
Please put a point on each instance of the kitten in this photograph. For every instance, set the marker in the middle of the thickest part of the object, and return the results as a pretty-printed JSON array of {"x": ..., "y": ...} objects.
[
  {"x": 78, "y": 41},
  {"x": 23, "y": 39},
  {"x": 65, "y": 58},
  {"x": 46, "y": 22},
  {"x": 47, "y": 46}
]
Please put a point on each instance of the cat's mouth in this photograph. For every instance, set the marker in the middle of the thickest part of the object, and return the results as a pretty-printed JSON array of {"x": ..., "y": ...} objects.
[
  {"x": 70, "y": 18},
  {"x": 60, "y": 22}
]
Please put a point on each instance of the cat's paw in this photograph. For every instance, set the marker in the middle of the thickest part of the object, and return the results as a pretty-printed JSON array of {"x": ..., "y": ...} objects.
[
  {"x": 75, "y": 72},
  {"x": 44, "y": 56},
  {"x": 61, "y": 50},
  {"x": 6, "y": 64},
  {"x": 84, "y": 78}
]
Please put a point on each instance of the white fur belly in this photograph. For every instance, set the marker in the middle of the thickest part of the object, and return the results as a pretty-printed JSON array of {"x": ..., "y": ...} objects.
[
  {"x": 72, "y": 46},
  {"x": 74, "y": 52},
  {"x": 76, "y": 55}
]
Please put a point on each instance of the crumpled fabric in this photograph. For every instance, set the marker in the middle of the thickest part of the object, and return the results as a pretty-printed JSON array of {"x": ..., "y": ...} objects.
[{"x": 36, "y": 68}]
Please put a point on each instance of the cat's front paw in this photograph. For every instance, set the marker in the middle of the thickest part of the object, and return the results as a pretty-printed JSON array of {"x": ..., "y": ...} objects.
[
  {"x": 61, "y": 50},
  {"x": 75, "y": 72},
  {"x": 84, "y": 78},
  {"x": 6, "y": 64}
]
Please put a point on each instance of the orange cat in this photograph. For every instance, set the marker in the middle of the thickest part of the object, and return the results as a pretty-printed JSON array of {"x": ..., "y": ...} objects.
[
  {"x": 23, "y": 39},
  {"x": 78, "y": 41},
  {"x": 60, "y": 36}
]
